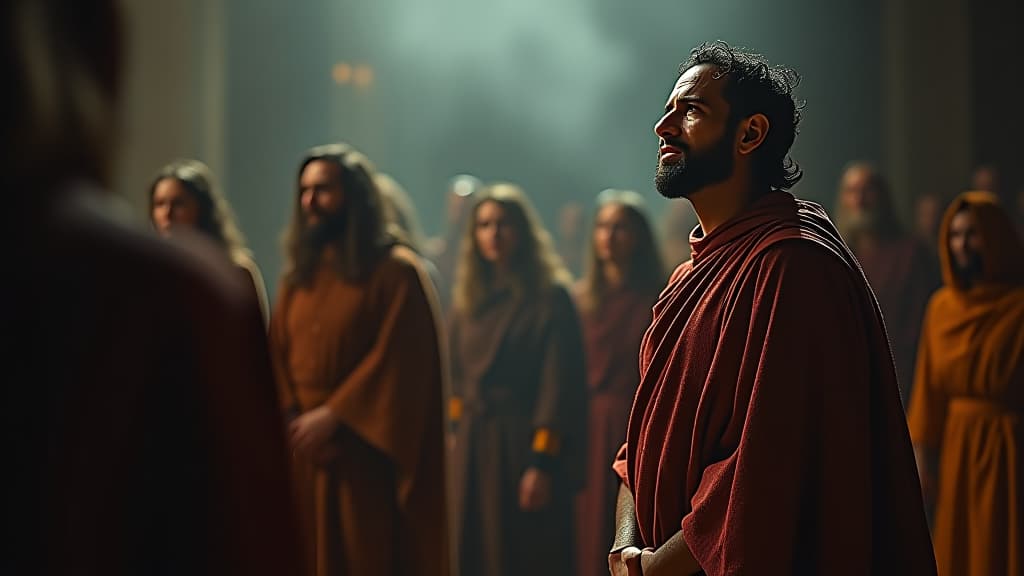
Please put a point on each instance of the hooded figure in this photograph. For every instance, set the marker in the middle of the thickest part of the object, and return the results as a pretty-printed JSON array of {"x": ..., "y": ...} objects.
[{"x": 965, "y": 413}]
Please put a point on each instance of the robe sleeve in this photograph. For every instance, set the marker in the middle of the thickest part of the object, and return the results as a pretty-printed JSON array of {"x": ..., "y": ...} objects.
[
  {"x": 813, "y": 381},
  {"x": 454, "y": 394},
  {"x": 388, "y": 397},
  {"x": 561, "y": 400},
  {"x": 928, "y": 403}
]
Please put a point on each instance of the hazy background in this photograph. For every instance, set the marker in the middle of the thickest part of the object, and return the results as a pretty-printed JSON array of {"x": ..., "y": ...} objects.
[{"x": 558, "y": 96}]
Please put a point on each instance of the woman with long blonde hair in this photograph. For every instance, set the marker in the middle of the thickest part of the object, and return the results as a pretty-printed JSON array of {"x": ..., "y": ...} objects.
[
  {"x": 516, "y": 408},
  {"x": 624, "y": 274}
]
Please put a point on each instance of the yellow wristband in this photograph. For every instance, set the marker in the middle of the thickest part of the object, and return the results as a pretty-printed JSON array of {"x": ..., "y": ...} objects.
[
  {"x": 545, "y": 442},
  {"x": 455, "y": 408}
]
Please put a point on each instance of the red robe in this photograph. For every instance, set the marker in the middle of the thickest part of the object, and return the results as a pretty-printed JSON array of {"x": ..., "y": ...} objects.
[
  {"x": 903, "y": 274},
  {"x": 768, "y": 424},
  {"x": 612, "y": 333},
  {"x": 162, "y": 445}
]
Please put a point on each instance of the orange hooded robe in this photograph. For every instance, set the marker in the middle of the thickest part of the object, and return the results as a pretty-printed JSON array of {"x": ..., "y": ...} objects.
[{"x": 967, "y": 400}]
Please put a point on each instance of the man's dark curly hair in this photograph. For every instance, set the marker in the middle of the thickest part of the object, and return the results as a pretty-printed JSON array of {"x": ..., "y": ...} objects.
[{"x": 754, "y": 86}]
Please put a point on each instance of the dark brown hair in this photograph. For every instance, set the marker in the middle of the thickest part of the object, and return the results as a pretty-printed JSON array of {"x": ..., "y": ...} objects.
[{"x": 361, "y": 242}]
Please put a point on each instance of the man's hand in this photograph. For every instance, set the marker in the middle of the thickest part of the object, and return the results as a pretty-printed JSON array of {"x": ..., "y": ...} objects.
[
  {"x": 534, "y": 490},
  {"x": 311, "y": 431},
  {"x": 626, "y": 562}
]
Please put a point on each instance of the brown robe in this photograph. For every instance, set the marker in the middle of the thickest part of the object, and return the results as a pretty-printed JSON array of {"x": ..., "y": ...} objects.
[
  {"x": 166, "y": 453},
  {"x": 611, "y": 334},
  {"x": 767, "y": 426},
  {"x": 903, "y": 273},
  {"x": 517, "y": 366},
  {"x": 968, "y": 403},
  {"x": 374, "y": 502}
]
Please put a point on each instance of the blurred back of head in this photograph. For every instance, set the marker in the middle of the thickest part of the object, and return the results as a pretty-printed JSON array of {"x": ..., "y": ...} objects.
[
  {"x": 62, "y": 59},
  {"x": 986, "y": 178}
]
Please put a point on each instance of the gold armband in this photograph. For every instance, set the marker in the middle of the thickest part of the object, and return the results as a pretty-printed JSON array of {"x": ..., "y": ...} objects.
[
  {"x": 454, "y": 409},
  {"x": 546, "y": 441}
]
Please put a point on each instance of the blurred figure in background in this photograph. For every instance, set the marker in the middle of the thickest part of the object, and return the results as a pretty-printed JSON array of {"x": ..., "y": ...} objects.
[
  {"x": 986, "y": 178},
  {"x": 184, "y": 195},
  {"x": 572, "y": 236},
  {"x": 444, "y": 250},
  {"x": 927, "y": 218},
  {"x": 517, "y": 408},
  {"x": 899, "y": 267},
  {"x": 355, "y": 344},
  {"x": 678, "y": 220},
  {"x": 965, "y": 416},
  {"x": 623, "y": 277},
  {"x": 402, "y": 223},
  {"x": 150, "y": 415}
]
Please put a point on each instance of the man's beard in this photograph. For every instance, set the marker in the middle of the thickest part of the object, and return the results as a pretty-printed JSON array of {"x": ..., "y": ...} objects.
[
  {"x": 694, "y": 171},
  {"x": 327, "y": 230},
  {"x": 855, "y": 227}
]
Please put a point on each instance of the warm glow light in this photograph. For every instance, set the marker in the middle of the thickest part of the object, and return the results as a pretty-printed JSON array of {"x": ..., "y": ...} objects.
[
  {"x": 342, "y": 73},
  {"x": 363, "y": 76}
]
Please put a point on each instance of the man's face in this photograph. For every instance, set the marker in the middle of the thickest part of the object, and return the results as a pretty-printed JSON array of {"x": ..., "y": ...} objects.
[
  {"x": 320, "y": 193},
  {"x": 965, "y": 245},
  {"x": 695, "y": 135},
  {"x": 858, "y": 202},
  {"x": 858, "y": 196}
]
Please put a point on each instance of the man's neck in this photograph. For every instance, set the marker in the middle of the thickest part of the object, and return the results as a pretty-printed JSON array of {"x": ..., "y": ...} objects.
[
  {"x": 717, "y": 204},
  {"x": 328, "y": 252}
]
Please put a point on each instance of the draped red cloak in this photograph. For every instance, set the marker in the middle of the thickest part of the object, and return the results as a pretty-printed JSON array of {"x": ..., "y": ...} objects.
[{"x": 767, "y": 424}]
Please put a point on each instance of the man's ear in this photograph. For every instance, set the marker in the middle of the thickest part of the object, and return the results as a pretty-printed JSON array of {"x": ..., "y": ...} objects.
[{"x": 752, "y": 133}]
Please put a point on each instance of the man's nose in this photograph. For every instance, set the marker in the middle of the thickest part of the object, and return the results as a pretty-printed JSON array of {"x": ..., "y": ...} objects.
[{"x": 666, "y": 127}]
